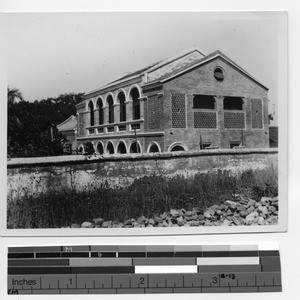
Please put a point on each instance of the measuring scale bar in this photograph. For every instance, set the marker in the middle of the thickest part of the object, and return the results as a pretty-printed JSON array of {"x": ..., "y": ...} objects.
[
  {"x": 150, "y": 269},
  {"x": 146, "y": 283}
]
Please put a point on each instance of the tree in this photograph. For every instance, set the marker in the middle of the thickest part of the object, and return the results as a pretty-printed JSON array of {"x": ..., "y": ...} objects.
[
  {"x": 30, "y": 124},
  {"x": 13, "y": 94}
]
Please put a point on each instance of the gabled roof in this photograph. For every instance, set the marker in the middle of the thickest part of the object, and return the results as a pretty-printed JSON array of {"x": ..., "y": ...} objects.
[
  {"x": 68, "y": 124},
  {"x": 175, "y": 60},
  {"x": 176, "y": 65}
]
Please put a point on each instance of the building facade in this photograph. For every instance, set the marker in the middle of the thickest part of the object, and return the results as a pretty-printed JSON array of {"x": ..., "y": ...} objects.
[{"x": 188, "y": 102}]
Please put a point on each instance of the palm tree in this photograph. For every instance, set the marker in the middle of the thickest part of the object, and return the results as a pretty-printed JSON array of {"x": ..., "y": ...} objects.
[{"x": 13, "y": 94}]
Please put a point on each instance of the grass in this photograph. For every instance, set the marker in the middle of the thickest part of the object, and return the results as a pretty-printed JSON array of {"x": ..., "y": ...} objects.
[{"x": 148, "y": 196}]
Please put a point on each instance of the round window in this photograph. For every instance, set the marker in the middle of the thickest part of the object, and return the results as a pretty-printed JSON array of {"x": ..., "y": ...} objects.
[{"x": 218, "y": 74}]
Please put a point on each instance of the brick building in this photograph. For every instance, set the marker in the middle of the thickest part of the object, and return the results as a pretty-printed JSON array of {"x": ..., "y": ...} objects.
[{"x": 187, "y": 102}]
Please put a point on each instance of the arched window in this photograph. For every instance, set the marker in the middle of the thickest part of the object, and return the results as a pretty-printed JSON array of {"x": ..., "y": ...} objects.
[
  {"x": 136, "y": 109},
  {"x": 101, "y": 112},
  {"x": 135, "y": 148},
  {"x": 100, "y": 149},
  {"x": 178, "y": 147},
  {"x": 121, "y": 148},
  {"x": 153, "y": 148},
  {"x": 110, "y": 103},
  {"x": 91, "y": 109},
  {"x": 110, "y": 148},
  {"x": 121, "y": 99}
]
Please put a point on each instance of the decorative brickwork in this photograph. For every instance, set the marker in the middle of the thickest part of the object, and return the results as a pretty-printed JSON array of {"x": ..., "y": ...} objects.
[
  {"x": 153, "y": 111},
  {"x": 204, "y": 119},
  {"x": 234, "y": 120},
  {"x": 81, "y": 125},
  {"x": 178, "y": 111},
  {"x": 256, "y": 113}
]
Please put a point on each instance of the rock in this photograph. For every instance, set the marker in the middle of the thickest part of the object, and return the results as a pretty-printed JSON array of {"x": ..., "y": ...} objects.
[
  {"x": 196, "y": 210},
  {"x": 180, "y": 221},
  {"x": 158, "y": 219},
  {"x": 261, "y": 221},
  {"x": 207, "y": 223},
  {"x": 165, "y": 224},
  {"x": 226, "y": 223},
  {"x": 117, "y": 225},
  {"x": 229, "y": 212},
  {"x": 151, "y": 222},
  {"x": 188, "y": 213},
  {"x": 243, "y": 213},
  {"x": 231, "y": 204},
  {"x": 164, "y": 215},
  {"x": 182, "y": 211},
  {"x": 107, "y": 224},
  {"x": 218, "y": 212},
  {"x": 211, "y": 210},
  {"x": 187, "y": 224},
  {"x": 128, "y": 222},
  {"x": 195, "y": 223},
  {"x": 240, "y": 207},
  {"x": 236, "y": 221},
  {"x": 250, "y": 209},
  {"x": 200, "y": 217},
  {"x": 174, "y": 213},
  {"x": 87, "y": 225},
  {"x": 75, "y": 225},
  {"x": 207, "y": 214},
  {"x": 192, "y": 217},
  {"x": 222, "y": 207},
  {"x": 264, "y": 210},
  {"x": 98, "y": 221},
  {"x": 142, "y": 219},
  {"x": 252, "y": 216},
  {"x": 251, "y": 202}
]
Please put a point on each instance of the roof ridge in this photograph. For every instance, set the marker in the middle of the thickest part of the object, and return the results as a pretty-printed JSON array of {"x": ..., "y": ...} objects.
[
  {"x": 151, "y": 67},
  {"x": 65, "y": 121}
]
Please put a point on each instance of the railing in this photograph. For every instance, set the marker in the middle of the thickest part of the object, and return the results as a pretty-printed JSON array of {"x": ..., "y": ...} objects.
[{"x": 125, "y": 126}]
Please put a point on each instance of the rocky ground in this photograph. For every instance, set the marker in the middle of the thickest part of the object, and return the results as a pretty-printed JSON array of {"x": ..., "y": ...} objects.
[{"x": 242, "y": 211}]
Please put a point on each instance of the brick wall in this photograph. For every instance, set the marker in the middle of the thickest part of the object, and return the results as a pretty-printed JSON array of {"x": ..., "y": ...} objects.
[{"x": 235, "y": 84}]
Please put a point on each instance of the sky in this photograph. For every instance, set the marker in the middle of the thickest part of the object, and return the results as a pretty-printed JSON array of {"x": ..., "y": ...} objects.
[{"x": 56, "y": 53}]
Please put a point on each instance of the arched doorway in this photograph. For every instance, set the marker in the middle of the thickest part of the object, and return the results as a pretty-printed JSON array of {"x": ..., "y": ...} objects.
[
  {"x": 135, "y": 148},
  {"x": 121, "y": 149},
  {"x": 110, "y": 148},
  {"x": 100, "y": 148}
]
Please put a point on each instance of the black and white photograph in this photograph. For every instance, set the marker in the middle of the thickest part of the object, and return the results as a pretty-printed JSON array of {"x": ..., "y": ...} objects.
[{"x": 146, "y": 122}]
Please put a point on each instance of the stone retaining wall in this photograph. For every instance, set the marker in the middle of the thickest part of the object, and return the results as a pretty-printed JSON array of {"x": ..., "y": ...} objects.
[{"x": 34, "y": 176}]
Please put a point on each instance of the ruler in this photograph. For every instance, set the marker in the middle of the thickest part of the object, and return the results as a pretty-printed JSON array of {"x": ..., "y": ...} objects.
[{"x": 104, "y": 269}]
